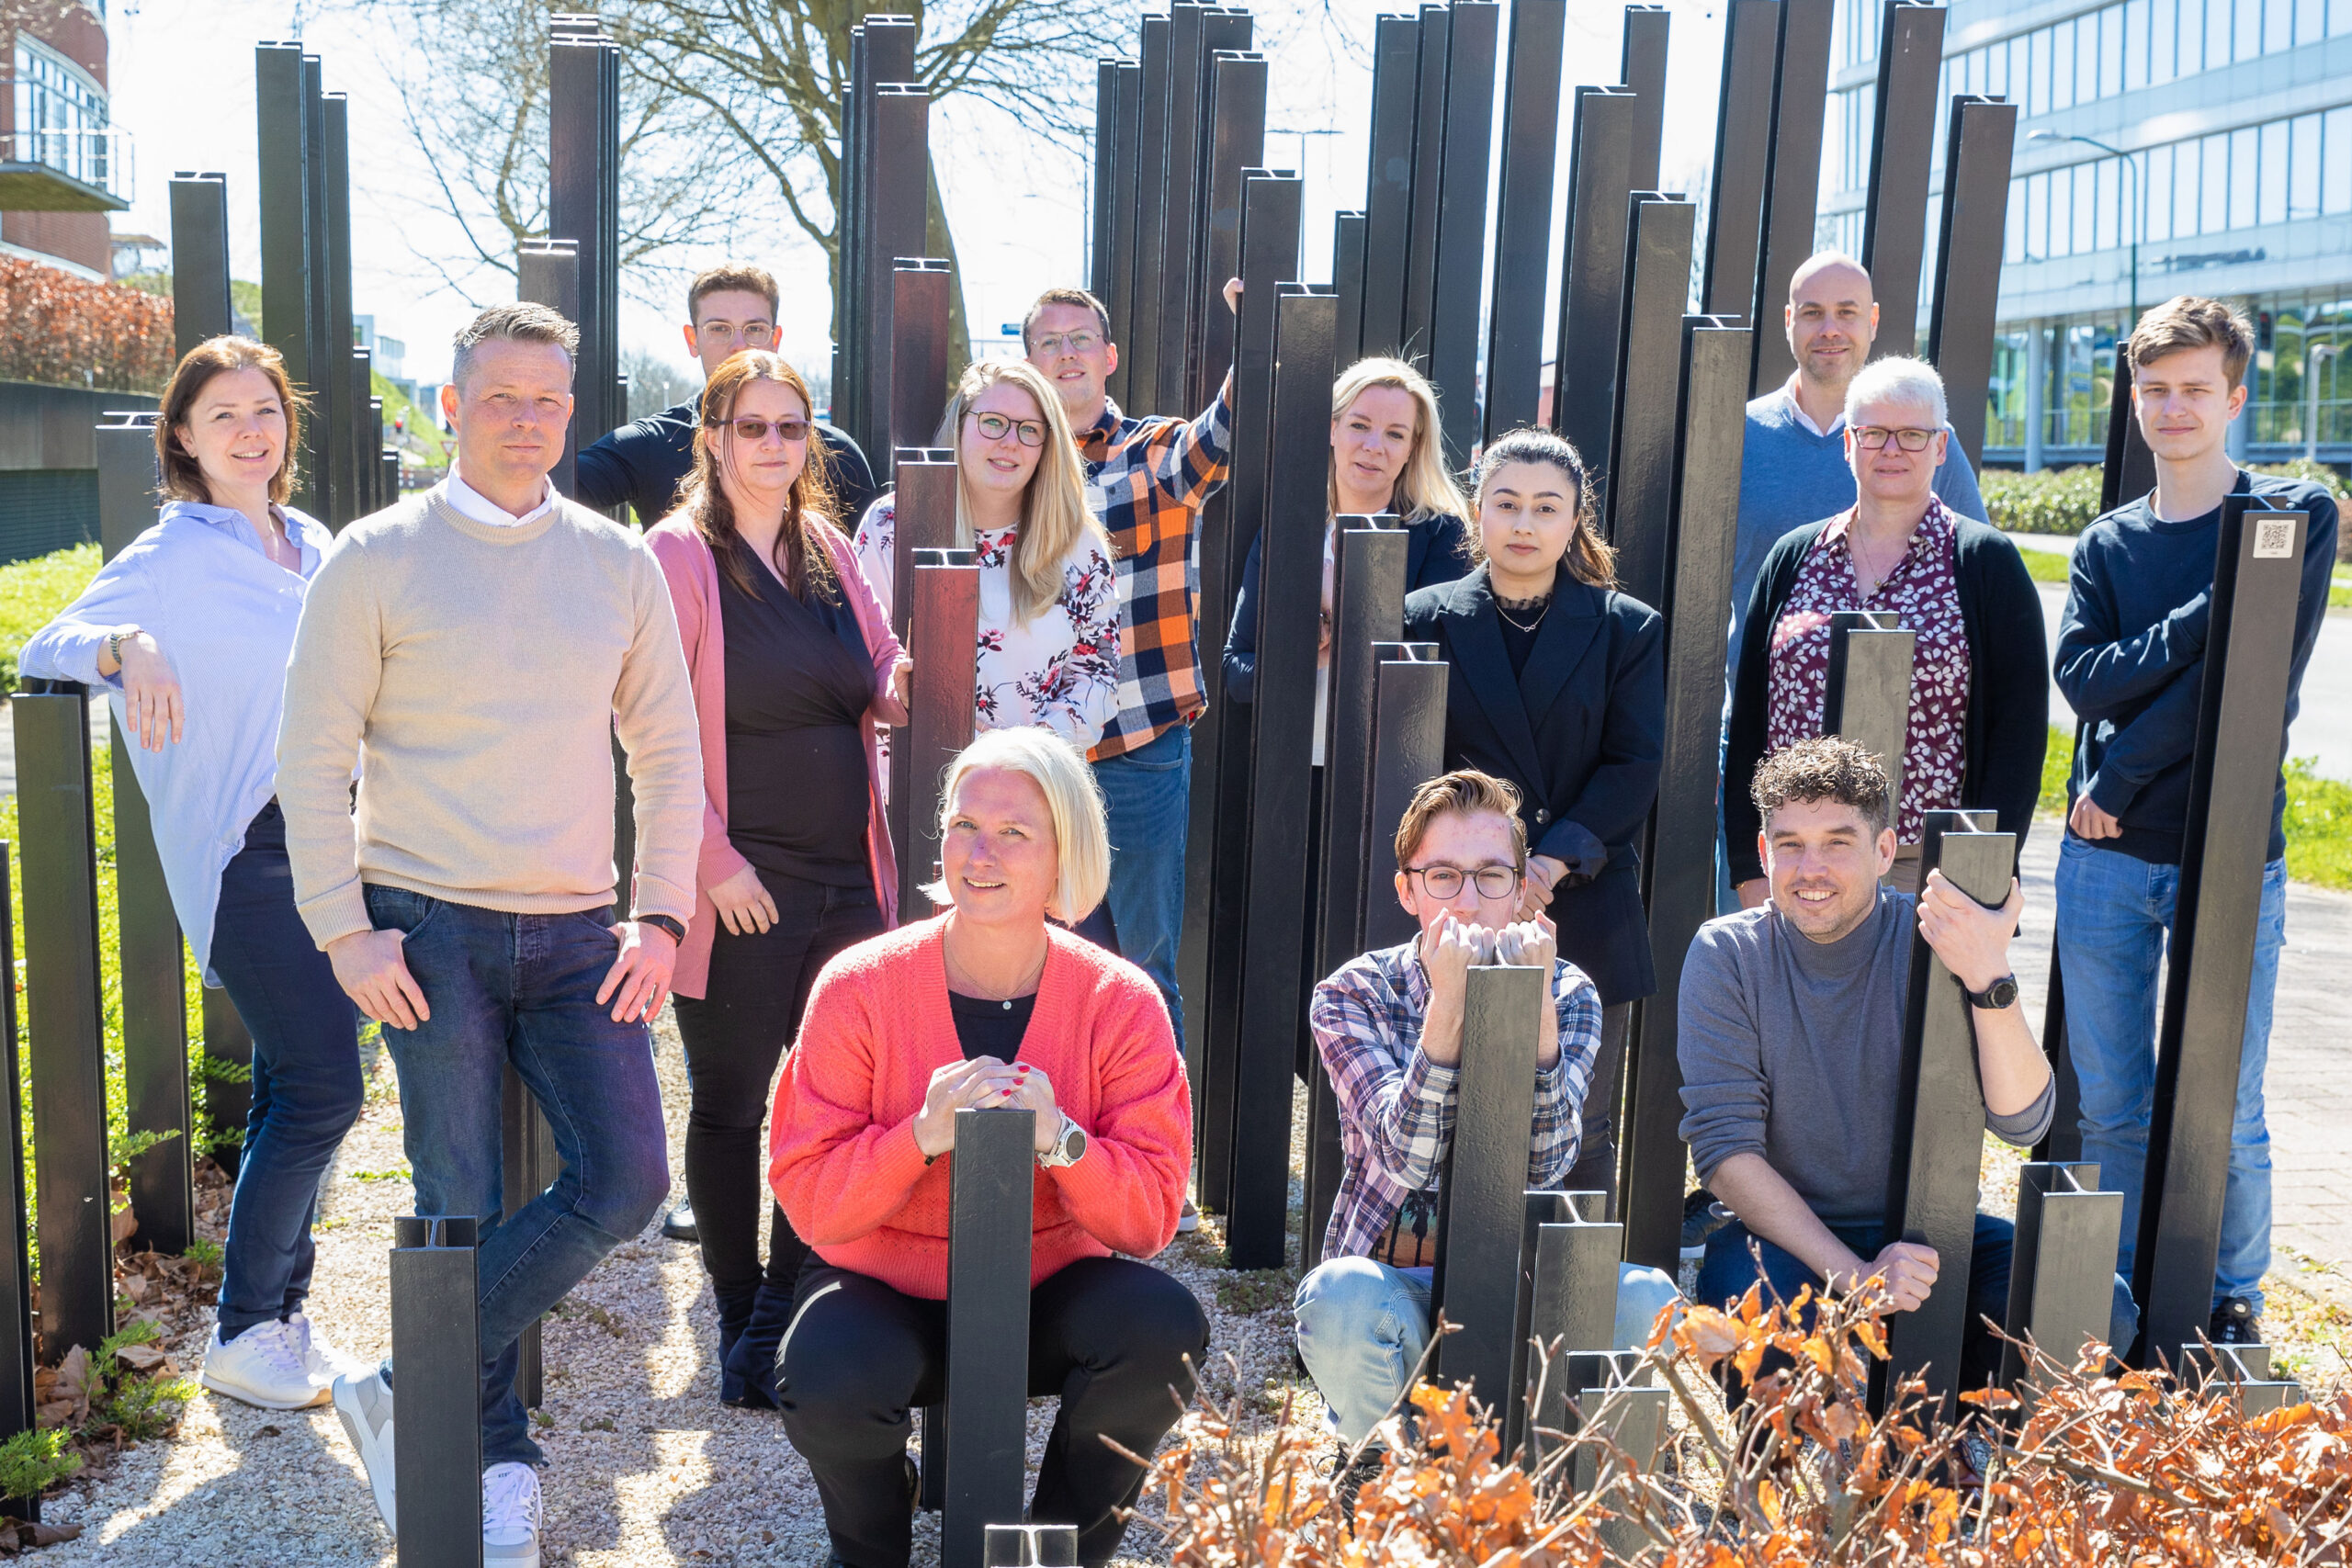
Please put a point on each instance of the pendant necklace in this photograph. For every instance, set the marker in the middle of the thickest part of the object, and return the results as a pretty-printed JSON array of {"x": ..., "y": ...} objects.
[{"x": 1503, "y": 607}]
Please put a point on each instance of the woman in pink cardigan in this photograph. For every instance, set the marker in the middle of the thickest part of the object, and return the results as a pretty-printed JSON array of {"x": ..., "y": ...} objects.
[{"x": 795, "y": 673}]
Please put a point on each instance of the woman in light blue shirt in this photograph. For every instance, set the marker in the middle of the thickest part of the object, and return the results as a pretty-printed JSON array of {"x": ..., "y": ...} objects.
[{"x": 189, "y": 631}]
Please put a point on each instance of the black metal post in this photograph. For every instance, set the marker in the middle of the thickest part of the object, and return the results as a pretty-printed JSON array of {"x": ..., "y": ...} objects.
[
  {"x": 919, "y": 288},
  {"x": 2130, "y": 468},
  {"x": 1638, "y": 490},
  {"x": 1482, "y": 1196},
  {"x": 548, "y": 273},
  {"x": 1407, "y": 750},
  {"x": 1968, "y": 261},
  {"x": 1291, "y": 575},
  {"x": 1903, "y": 143},
  {"x": 1868, "y": 695},
  {"x": 1792, "y": 178},
  {"x": 1236, "y": 142},
  {"x": 2257, "y": 579},
  {"x": 1031, "y": 1546},
  {"x": 1180, "y": 172},
  {"x": 1743, "y": 156},
  {"x": 1611, "y": 1397},
  {"x": 897, "y": 157},
  {"x": 326, "y": 383},
  {"x": 1106, "y": 160},
  {"x": 925, "y": 521},
  {"x": 1216, "y": 843},
  {"x": 1592, "y": 268},
  {"x": 583, "y": 158},
  {"x": 1435, "y": 34},
  {"x": 1642, "y": 67},
  {"x": 529, "y": 1165},
  {"x": 992, "y": 1178},
  {"x": 2240, "y": 1373},
  {"x": 945, "y": 593},
  {"x": 16, "y": 1400},
  {"x": 1139, "y": 352},
  {"x": 436, "y": 1340},
  {"x": 200, "y": 307},
  {"x": 1455, "y": 347},
  {"x": 341, "y": 429},
  {"x": 155, "y": 1008},
  {"x": 1567, "y": 1303},
  {"x": 2061, "y": 1270},
  {"x": 1348, "y": 243},
  {"x": 1125, "y": 198},
  {"x": 1388, "y": 184},
  {"x": 1523, "y": 215},
  {"x": 1939, "y": 1119},
  {"x": 283, "y": 141},
  {"x": 1711, "y": 429},
  {"x": 57, "y": 819}
]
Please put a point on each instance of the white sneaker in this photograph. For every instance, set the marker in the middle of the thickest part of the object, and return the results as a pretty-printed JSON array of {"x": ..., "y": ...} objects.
[
  {"x": 1188, "y": 1219},
  {"x": 322, "y": 1356},
  {"x": 261, "y": 1366},
  {"x": 364, "y": 1405},
  {"x": 511, "y": 1513}
]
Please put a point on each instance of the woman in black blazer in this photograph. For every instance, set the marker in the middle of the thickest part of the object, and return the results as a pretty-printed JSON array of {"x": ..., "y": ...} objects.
[{"x": 1558, "y": 683}]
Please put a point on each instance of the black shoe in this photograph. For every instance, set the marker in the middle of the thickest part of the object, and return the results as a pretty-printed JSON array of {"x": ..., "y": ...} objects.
[
  {"x": 748, "y": 1377},
  {"x": 1701, "y": 1219},
  {"x": 678, "y": 1223},
  {"x": 2234, "y": 1323},
  {"x": 1348, "y": 1481}
]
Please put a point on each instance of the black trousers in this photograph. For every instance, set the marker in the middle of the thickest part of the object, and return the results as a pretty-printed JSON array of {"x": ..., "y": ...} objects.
[
  {"x": 1596, "y": 1166},
  {"x": 1108, "y": 1335},
  {"x": 735, "y": 1033}
]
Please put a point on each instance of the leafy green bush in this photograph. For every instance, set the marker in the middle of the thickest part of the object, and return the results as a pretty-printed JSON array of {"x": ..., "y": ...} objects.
[
  {"x": 2055, "y": 500},
  {"x": 35, "y": 1459},
  {"x": 32, "y": 592}
]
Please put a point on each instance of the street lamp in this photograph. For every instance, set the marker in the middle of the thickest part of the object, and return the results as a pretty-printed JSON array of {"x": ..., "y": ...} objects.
[
  {"x": 2313, "y": 354},
  {"x": 2139, "y": 201}
]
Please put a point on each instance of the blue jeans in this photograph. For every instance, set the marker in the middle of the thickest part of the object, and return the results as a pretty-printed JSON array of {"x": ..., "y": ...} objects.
[
  {"x": 1363, "y": 1327},
  {"x": 2114, "y": 920},
  {"x": 522, "y": 988},
  {"x": 1728, "y": 1268},
  {"x": 1147, "y": 793},
  {"x": 306, "y": 1092}
]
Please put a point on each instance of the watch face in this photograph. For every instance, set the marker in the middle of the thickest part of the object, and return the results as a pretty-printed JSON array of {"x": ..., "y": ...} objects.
[{"x": 1074, "y": 1146}]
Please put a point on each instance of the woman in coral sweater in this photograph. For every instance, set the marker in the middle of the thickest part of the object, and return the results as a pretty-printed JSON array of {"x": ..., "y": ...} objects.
[{"x": 987, "y": 1005}]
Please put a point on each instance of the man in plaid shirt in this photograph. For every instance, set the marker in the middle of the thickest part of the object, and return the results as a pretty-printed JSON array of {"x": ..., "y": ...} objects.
[
  {"x": 1389, "y": 1028},
  {"x": 1147, "y": 481}
]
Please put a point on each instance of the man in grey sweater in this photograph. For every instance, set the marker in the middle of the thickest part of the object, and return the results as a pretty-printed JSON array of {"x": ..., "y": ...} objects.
[
  {"x": 1790, "y": 1045},
  {"x": 480, "y": 646}
]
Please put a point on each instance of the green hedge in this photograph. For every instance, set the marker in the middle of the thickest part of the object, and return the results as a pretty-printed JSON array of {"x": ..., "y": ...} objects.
[{"x": 2065, "y": 500}]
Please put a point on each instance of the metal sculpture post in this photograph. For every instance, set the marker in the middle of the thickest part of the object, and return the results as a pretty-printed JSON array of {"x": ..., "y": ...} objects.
[
  {"x": 201, "y": 305},
  {"x": 288, "y": 322},
  {"x": 546, "y": 273},
  {"x": 1639, "y": 493},
  {"x": 1903, "y": 143},
  {"x": 1792, "y": 177},
  {"x": 1977, "y": 145},
  {"x": 1523, "y": 214},
  {"x": 1592, "y": 268},
  {"x": 2061, "y": 1273},
  {"x": 1743, "y": 160},
  {"x": 1567, "y": 1295},
  {"x": 436, "y": 1344},
  {"x": 1455, "y": 351},
  {"x": 919, "y": 290},
  {"x": 16, "y": 1395},
  {"x": 993, "y": 1176},
  {"x": 1388, "y": 199},
  {"x": 584, "y": 205},
  {"x": 1867, "y": 696},
  {"x": 945, "y": 592}
]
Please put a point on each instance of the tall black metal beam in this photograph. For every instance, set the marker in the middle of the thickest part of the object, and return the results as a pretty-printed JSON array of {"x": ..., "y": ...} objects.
[
  {"x": 1435, "y": 33},
  {"x": 1642, "y": 67},
  {"x": 925, "y": 521},
  {"x": 17, "y": 1393},
  {"x": 1456, "y": 349},
  {"x": 1868, "y": 697},
  {"x": 283, "y": 143},
  {"x": 201, "y": 306},
  {"x": 1968, "y": 261},
  {"x": 1407, "y": 750},
  {"x": 326, "y": 384},
  {"x": 1592, "y": 268},
  {"x": 1792, "y": 179},
  {"x": 546, "y": 272},
  {"x": 1291, "y": 577},
  {"x": 1236, "y": 142},
  {"x": 1903, "y": 145},
  {"x": 1523, "y": 215},
  {"x": 529, "y": 1165},
  {"x": 992, "y": 1177},
  {"x": 1742, "y": 157},
  {"x": 1117, "y": 292},
  {"x": 1639, "y": 464},
  {"x": 2233, "y": 780},
  {"x": 919, "y": 290},
  {"x": 1348, "y": 243},
  {"x": 1179, "y": 175},
  {"x": 1106, "y": 162},
  {"x": 1939, "y": 1119},
  {"x": 584, "y": 154},
  {"x": 2129, "y": 469},
  {"x": 1568, "y": 1252},
  {"x": 1388, "y": 183},
  {"x": 899, "y": 155},
  {"x": 2061, "y": 1270},
  {"x": 436, "y": 1340},
  {"x": 1140, "y": 351},
  {"x": 1710, "y": 426},
  {"x": 342, "y": 426},
  {"x": 945, "y": 590}
]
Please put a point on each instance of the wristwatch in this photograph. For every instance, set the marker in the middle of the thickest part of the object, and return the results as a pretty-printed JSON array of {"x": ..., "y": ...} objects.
[
  {"x": 2001, "y": 993},
  {"x": 676, "y": 927},
  {"x": 115, "y": 639},
  {"x": 1069, "y": 1146}
]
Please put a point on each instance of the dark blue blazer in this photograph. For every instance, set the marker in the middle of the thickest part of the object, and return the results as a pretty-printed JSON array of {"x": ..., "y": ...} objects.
[
  {"x": 1437, "y": 549},
  {"x": 1581, "y": 731}
]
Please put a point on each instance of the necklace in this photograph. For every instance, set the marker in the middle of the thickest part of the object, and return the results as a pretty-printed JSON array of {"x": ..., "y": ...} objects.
[
  {"x": 1540, "y": 603},
  {"x": 960, "y": 978}
]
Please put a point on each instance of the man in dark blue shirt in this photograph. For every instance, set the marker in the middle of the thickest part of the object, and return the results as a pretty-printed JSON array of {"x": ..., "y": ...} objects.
[
  {"x": 729, "y": 308},
  {"x": 2131, "y": 660}
]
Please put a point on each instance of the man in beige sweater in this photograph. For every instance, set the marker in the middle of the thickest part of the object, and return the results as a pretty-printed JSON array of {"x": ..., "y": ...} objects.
[{"x": 474, "y": 650}]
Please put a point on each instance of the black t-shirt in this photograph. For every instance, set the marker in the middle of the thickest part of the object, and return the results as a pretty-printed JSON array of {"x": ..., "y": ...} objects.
[
  {"x": 984, "y": 1028},
  {"x": 798, "y": 683}
]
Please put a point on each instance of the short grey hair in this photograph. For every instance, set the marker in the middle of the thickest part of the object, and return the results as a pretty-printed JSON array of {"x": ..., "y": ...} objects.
[
  {"x": 522, "y": 321},
  {"x": 1896, "y": 379}
]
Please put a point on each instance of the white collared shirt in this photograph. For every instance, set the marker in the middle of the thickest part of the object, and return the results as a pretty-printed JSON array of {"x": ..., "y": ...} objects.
[
  {"x": 1788, "y": 390},
  {"x": 473, "y": 505}
]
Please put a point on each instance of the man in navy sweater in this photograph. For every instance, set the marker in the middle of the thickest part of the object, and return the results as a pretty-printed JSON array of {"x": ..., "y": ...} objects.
[
  {"x": 2131, "y": 660},
  {"x": 728, "y": 309}
]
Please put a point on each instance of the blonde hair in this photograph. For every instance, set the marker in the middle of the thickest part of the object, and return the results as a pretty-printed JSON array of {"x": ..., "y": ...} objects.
[
  {"x": 1426, "y": 489},
  {"x": 1053, "y": 514},
  {"x": 1081, "y": 836}
]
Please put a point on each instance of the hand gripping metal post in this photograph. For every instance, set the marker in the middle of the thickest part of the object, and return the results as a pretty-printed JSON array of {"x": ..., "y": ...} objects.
[
  {"x": 436, "y": 1348},
  {"x": 993, "y": 1176}
]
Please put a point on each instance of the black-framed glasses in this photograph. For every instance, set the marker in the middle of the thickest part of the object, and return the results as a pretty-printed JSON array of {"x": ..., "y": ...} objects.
[
  {"x": 1872, "y": 437},
  {"x": 748, "y": 429},
  {"x": 996, "y": 426},
  {"x": 1445, "y": 881}
]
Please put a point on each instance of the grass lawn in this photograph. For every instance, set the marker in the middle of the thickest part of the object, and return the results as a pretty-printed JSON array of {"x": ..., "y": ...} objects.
[
  {"x": 32, "y": 592},
  {"x": 2051, "y": 566}
]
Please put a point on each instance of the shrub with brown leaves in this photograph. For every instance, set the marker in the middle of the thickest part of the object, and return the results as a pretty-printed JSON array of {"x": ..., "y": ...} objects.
[{"x": 63, "y": 330}]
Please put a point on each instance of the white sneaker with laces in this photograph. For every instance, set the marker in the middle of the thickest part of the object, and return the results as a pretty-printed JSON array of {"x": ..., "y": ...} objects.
[
  {"x": 263, "y": 1365},
  {"x": 364, "y": 1405},
  {"x": 325, "y": 1359},
  {"x": 1188, "y": 1219},
  {"x": 511, "y": 1513}
]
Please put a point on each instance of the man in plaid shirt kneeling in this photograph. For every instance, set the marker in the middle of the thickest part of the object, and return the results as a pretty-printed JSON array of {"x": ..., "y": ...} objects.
[{"x": 1389, "y": 1027}]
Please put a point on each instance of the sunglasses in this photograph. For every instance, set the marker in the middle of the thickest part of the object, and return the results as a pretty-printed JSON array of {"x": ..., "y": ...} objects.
[{"x": 794, "y": 430}]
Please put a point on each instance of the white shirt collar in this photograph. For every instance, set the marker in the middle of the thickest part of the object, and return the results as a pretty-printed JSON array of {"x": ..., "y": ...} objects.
[
  {"x": 1789, "y": 391},
  {"x": 475, "y": 507}
]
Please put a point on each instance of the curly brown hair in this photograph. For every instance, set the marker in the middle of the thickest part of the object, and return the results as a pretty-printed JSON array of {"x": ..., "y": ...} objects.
[{"x": 1827, "y": 767}]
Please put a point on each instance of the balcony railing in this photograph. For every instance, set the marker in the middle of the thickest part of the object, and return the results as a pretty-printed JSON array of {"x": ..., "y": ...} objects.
[{"x": 53, "y": 159}]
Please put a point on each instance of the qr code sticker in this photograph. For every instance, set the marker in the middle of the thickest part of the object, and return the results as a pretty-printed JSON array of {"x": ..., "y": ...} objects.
[{"x": 2274, "y": 539}]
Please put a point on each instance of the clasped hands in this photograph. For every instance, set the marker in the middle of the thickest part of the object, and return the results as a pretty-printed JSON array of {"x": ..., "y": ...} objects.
[{"x": 985, "y": 1083}]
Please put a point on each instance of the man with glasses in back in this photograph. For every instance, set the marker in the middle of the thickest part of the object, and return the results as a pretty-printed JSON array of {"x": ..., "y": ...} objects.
[
  {"x": 1389, "y": 1027},
  {"x": 729, "y": 309}
]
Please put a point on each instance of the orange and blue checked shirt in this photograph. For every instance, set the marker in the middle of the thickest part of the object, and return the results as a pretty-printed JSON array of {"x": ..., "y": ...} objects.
[{"x": 1147, "y": 480}]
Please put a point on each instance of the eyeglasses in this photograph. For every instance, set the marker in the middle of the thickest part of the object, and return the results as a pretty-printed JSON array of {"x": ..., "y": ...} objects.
[
  {"x": 1872, "y": 437},
  {"x": 1445, "y": 881},
  {"x": 755, "y": 333},
  {"x": 794, "y": 430},
  {"x": 1076, "y": 343},
  {"x": 995, "y": 426}
]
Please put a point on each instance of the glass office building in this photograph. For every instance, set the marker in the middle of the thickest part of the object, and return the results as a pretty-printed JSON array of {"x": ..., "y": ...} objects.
[{"x": 2163, "y": 147}]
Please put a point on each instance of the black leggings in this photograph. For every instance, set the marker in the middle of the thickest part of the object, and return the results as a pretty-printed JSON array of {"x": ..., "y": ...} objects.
[
  {"x": 735, "y": 1034},
  {"x": 1108, "y": 1335}
]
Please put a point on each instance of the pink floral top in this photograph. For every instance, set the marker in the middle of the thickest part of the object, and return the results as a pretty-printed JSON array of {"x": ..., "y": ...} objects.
[
  {"x": 1924, "y": 590},
  {"x": 1059, "y": 669}
]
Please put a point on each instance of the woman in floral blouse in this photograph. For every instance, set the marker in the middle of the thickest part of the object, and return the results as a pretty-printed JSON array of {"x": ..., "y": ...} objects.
[
  {"x": 1979, "y": 683},
  {"x": 1049, "y": 599}
]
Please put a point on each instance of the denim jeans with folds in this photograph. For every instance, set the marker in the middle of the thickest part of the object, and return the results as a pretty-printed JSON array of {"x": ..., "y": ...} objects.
[
  {"x": 522, "y": 988},
  {"x": 1147, "y": 794}
]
